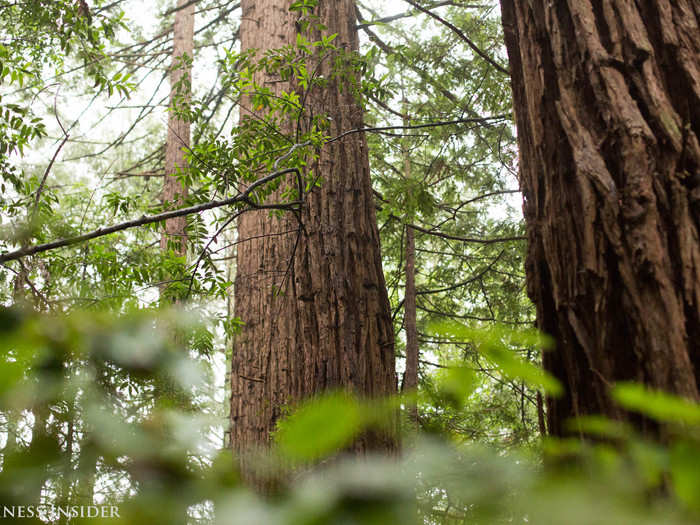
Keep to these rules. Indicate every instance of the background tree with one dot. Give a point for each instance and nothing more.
(313, 300)
(461, 202)
(178, 133)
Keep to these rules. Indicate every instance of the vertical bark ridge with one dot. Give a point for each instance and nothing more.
(606, 97)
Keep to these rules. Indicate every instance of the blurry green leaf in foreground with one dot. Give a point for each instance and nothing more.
(657, 405)
(454, 385)
(499, 345)
(100, 401)
(320, 427)
(685, 473)
(151, 459)
(600, 427)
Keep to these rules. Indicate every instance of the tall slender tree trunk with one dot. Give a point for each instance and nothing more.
(87, 469)
(66, 482)
(410, 378)
(178, 136)
(315, 305)
(607, 101)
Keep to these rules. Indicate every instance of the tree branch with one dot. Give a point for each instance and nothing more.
(469, 239)
(479, 120)
(40, 189)
(242, 197)
(461, 35)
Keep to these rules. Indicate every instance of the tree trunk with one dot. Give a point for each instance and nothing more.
(315, 305)
(87, 468)
(178, 137)
(607, 102)
(410, 378)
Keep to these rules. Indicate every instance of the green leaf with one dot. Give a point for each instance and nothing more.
(455, 385)
(599, 426)
(320, 427)
(656, 404)
(498, 345)
(685, 473)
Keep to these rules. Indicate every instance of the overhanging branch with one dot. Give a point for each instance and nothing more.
(480, 120)
(150, 219)
(244, 198)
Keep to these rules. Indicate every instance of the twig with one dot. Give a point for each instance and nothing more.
(469, 239)
(40, 189)
(206, 249)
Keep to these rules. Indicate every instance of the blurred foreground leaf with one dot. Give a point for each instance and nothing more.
(657, 405)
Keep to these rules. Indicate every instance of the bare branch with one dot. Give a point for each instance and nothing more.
(480, 120)
(40, 189)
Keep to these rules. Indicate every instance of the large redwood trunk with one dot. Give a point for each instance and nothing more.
(607, 101)
(315, 306)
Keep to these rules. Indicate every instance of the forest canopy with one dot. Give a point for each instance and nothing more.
(313, 261)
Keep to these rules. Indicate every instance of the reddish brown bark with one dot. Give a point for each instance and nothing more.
(178, 136)
(607, 101)
(315, 306)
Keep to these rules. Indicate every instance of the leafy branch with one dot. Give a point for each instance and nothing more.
(150, 219)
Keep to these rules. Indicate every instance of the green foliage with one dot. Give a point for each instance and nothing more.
(498, 344)
(320, 427)
(657, 405)
(128, 392)
(41, 37)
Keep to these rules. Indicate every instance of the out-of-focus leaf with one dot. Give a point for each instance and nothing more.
(656, 405)
(320, 427)
(499, 344)
(455, 385)
(685, 473)
(599, 426)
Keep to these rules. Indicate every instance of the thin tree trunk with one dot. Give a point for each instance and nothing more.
(87, 468)
(410, 378)
(65, 493)
(39, 434)
(178, 137)
(607, 101)
(315, 305)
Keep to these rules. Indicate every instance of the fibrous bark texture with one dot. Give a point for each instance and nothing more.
(607, 102)
(314, 303)
(178, 136)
